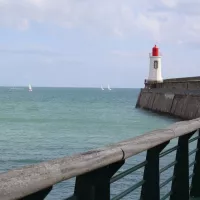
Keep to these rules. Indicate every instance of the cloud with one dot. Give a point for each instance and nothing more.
(160, 20)
(31, 51)
(128, 54)
(43, 54)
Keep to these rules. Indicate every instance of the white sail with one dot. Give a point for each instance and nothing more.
(102, 87)
(109, 87)
(30, 87)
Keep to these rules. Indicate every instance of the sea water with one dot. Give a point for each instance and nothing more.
(50, 123)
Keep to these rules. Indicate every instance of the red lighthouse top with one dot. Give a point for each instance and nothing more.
(155, 51)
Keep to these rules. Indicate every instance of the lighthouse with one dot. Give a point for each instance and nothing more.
(155, 75)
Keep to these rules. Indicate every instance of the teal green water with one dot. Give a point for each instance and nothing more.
(54, 122)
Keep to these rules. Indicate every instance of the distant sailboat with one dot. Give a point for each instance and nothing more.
(102, 87)
(109, 87)
(29, 88)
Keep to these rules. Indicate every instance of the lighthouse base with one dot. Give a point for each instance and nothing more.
(151, 83)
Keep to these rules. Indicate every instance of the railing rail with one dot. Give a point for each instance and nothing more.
(94, 169)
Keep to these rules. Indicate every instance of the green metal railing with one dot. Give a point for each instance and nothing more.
(143, 164)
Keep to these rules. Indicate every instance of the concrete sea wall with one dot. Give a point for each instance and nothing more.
(189, 85)
(181, 102)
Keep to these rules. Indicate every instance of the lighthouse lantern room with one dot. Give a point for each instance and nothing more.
(155, 75)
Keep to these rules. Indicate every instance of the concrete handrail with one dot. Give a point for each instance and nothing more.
(19, 183)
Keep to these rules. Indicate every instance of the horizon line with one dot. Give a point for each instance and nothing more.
(86, 87)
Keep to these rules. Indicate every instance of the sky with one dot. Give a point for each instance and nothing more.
(88, 43)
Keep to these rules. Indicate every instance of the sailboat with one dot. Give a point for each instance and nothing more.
(109, 87)
(102, 87)
(29, 88)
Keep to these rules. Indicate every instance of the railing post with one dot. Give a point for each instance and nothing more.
(41, 195)
(95, 185)
(195, 186)
(151, 186)
(180, 183)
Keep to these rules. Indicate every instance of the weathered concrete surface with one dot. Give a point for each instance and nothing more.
(179, 97)
(176, 102)
(189, 83)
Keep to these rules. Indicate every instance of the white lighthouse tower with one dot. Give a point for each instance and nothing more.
(155, 75)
